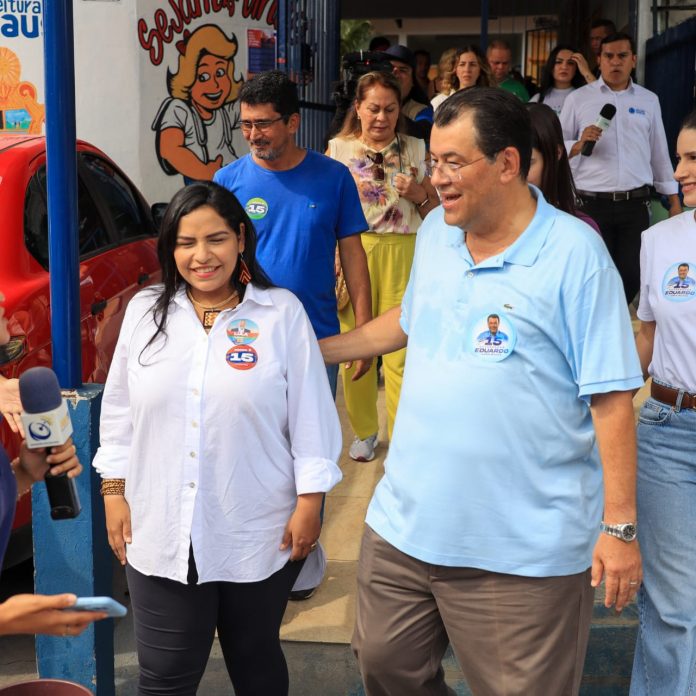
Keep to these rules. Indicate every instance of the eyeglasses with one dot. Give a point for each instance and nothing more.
(246, 126)
(449, 169)
(377, 160)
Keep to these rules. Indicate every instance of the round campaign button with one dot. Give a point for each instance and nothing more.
(256, 208)
(493, 337)
(242, 331)
(679, 283)
(242, 357)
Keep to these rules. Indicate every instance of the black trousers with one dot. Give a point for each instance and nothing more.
(622, 223)
(175, 627)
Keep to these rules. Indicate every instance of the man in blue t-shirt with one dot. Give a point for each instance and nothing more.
(302, 204)
(513, 420)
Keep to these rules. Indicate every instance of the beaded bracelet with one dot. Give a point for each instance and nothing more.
(113, 487)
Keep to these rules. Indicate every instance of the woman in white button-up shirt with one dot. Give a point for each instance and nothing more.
(219, 436)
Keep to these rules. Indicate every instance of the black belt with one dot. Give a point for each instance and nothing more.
(642, 192)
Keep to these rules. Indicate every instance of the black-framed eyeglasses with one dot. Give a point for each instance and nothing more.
(264, 125)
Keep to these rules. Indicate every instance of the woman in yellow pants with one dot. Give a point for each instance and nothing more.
(389, 171)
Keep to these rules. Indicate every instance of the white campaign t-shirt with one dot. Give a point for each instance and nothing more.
(668, 297)
(554, 98)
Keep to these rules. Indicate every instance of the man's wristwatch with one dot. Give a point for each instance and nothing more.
(626, 531)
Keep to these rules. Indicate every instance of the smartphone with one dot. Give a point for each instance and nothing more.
(105, 604)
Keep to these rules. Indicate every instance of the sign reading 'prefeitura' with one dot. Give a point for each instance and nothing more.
(20, 18)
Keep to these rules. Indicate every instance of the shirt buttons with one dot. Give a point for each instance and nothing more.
(192, 485)
(194, 424)
(470, 274)
(192, 455)
(194, 392)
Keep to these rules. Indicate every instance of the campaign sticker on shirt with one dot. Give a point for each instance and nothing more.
(256, 208)
(242, 331)
(493, 337)
(679, 284)
(242, 357)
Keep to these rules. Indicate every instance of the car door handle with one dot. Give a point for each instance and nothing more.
(98, 307)
(143, 278)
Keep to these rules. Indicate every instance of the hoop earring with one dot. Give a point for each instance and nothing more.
(244, 274)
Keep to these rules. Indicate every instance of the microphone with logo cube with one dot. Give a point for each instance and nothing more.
(47, 424)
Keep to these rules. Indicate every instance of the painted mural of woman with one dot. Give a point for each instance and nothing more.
(195, 124)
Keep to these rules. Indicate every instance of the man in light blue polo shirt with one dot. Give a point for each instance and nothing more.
(485, 530)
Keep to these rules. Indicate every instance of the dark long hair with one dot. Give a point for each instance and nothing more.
(547, 82)
(185, 201)
(547, 137)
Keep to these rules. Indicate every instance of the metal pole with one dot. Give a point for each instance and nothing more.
(63, 251)
(484, 26)
(282, 35)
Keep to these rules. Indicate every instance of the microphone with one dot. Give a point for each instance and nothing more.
(47, 424)
(605, 116)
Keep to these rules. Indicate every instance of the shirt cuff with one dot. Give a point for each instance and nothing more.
(403, 321)
(619, 385)
(645, 314)
(315, 475)
(112, 461)
(667, 188)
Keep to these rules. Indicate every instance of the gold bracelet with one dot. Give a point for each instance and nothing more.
(113, 487)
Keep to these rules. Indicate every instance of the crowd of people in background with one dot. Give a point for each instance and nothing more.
(492, 234)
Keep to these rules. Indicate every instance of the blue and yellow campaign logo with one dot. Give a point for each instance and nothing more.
(493, 337)
(242, 357)
(256, 208)
(679, 283)
(242, 331)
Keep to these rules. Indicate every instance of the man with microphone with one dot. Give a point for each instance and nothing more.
(616, 141)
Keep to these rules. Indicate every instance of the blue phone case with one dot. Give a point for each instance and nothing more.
(106, 604)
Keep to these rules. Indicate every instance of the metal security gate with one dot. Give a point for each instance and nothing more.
(670, 72)
(308, 49)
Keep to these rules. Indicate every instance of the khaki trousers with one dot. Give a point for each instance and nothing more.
(512, 635)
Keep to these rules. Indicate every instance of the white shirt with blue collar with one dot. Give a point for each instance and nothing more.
(493, 462)
(632, 151)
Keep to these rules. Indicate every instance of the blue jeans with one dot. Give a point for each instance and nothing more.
(665, 658)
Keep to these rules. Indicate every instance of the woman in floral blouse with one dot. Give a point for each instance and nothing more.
(389, 171)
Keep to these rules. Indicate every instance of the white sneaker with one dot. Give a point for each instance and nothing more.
(363, 450)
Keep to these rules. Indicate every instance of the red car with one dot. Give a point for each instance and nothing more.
(118, 256)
